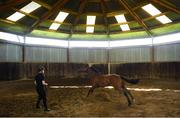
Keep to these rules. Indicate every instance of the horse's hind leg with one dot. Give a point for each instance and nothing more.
(129, 94)
(91, 90)
(127, 97)
(121, 89)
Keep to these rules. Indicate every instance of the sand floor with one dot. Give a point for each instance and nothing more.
(18, 99)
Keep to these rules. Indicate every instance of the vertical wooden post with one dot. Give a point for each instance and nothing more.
(23, 67)
(108, 56)
(152, 54)
(68, 55)
(152, 59)
(23, 50)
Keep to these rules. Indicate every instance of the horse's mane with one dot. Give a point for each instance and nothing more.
(95, 70)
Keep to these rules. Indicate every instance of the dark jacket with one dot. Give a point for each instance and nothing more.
(39, 78)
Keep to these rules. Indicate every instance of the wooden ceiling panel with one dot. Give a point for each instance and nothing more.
(104, 10)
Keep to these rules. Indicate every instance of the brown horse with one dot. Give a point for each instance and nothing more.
(118, 82)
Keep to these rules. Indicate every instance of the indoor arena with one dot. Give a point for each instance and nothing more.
(89, 58)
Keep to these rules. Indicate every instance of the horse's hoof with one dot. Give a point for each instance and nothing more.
(129, 104)
(134, 100)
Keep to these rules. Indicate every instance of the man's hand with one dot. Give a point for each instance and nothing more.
(44, 83)
(35, 82)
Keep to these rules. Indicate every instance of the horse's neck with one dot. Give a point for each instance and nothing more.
(92, 75)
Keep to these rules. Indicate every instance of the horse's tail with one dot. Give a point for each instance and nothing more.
(132, 81)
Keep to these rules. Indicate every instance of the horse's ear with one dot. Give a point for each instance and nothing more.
(84, 68)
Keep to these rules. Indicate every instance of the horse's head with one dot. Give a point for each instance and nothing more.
(90, 70)
(83, 69)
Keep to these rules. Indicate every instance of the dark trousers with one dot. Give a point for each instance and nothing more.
(41, 96)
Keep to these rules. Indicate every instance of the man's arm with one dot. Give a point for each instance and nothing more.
(44, 83)
(35, 82)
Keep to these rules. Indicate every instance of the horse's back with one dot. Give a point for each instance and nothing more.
(108, 80)
(111, 76)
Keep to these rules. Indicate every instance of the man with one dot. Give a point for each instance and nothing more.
(40, 88)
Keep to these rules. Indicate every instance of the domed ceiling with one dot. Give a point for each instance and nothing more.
(89, 16)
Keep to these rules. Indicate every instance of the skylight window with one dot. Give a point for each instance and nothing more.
(122, 19)
(27, 9)
(89, 44)
(125, 27)
(163, 19)
(54, 26)
(90, 21)
(171, 38)
(89, 29)
(46, 41)
(133, 42)
(14, 38)
(151, 9)
(30, 7)
(16, 16)
(154, 11)
(60, 18)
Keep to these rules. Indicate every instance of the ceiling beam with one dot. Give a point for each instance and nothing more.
(48, 30)
(81, 8)
(136, 17)
(45, 16)
(164, 4)
(52, 21)
(13, 23)
(104, 16)
(111, 14)
(70, 11)
(110, 25)
(141, 4)
(11, 3)
(97, 0)
(145, 19)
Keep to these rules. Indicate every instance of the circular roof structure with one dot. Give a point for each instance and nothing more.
(58, 18)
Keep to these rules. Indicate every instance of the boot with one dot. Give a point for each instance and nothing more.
(46, 109)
